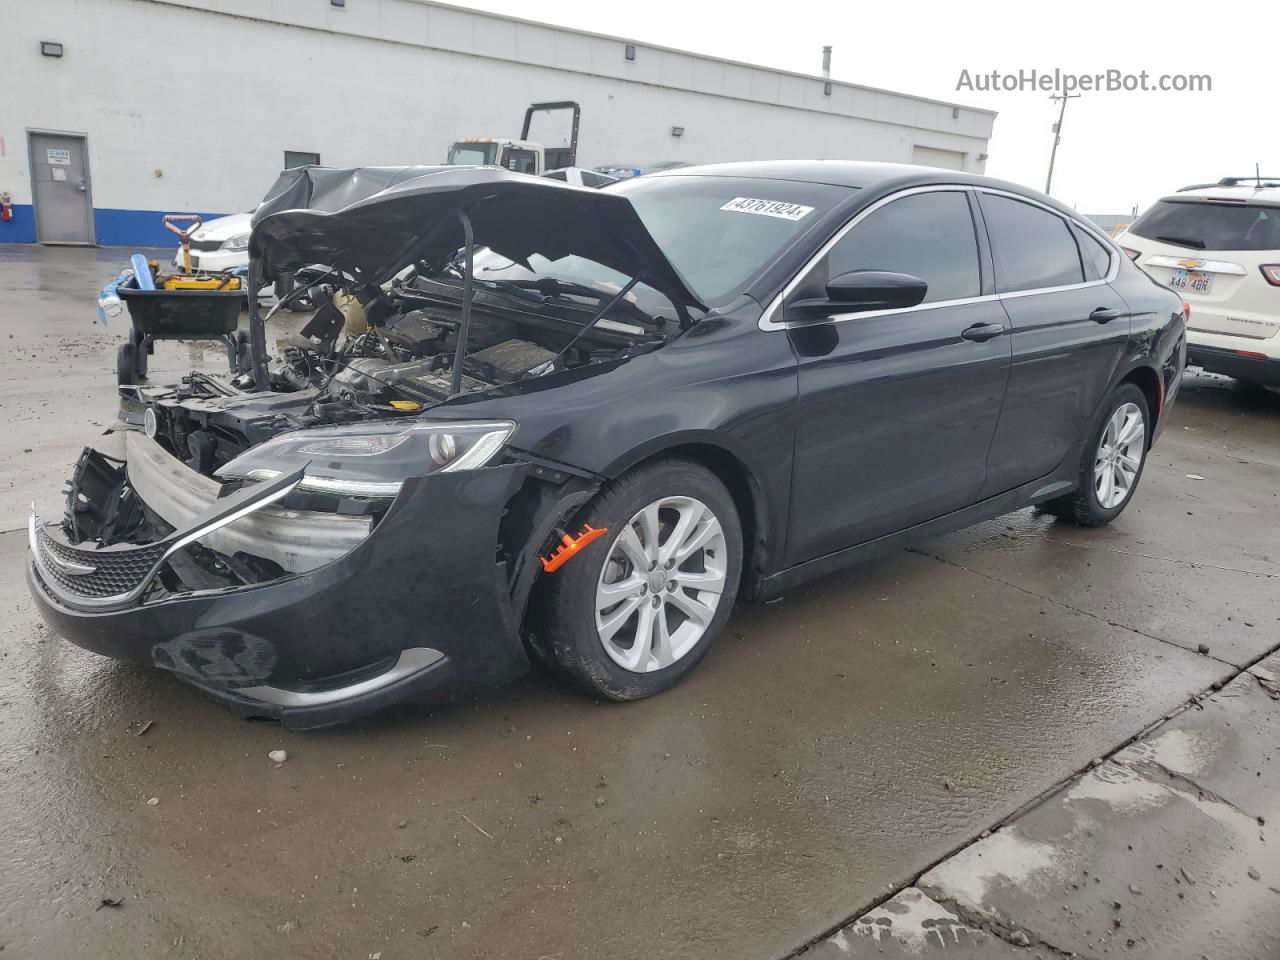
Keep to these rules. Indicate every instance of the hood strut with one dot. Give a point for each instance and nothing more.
(257, 329)
(464, 324)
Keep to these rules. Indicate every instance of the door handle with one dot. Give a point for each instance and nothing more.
(982, 332)
(1104, 315)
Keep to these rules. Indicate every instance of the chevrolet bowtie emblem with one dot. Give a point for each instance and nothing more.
(1191, 264)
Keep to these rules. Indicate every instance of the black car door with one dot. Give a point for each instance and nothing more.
(1068, 332)
(896, 407)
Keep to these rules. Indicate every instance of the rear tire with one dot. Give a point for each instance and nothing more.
(285, 286)
(126, 369)
(1112, 463)
(244, 355)
(637, 610)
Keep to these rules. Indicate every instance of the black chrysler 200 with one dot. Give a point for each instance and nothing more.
(535, 420)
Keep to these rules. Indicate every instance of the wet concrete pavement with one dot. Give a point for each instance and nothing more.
(830, 749)
(1162, 851)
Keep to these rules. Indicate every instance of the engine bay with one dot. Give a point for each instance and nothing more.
(384, 352)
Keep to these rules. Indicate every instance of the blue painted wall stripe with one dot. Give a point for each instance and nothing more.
(114, 228)
(22, 228)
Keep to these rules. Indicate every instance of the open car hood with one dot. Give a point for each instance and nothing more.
(378, 220)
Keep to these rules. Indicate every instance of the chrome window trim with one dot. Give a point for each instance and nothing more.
(769, 324)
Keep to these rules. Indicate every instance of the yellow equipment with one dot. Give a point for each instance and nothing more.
(187, 280)
(180, 281)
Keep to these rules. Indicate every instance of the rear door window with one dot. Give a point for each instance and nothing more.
(1032, 248)
(1198, 225)
(927, 235)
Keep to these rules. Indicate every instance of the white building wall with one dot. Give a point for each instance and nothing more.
(190, 104)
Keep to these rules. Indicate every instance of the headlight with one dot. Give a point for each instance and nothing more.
(239, 242)
(373, 459)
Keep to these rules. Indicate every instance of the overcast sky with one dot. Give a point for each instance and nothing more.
(1118, 149)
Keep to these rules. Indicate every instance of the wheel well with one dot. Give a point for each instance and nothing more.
(747, 498)
(1148, 381)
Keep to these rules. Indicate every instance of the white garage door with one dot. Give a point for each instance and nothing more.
(929, 157)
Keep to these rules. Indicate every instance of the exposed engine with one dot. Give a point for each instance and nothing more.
(372, 353)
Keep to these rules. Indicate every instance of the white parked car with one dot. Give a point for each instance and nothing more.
(219, 244)
(223, 244)
(1219, 246)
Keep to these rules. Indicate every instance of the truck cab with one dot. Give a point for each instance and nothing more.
(522, 156)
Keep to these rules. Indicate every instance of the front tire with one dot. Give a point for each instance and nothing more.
(631, 616)
(1112, 464)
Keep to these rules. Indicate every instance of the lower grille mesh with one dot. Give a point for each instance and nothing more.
(114, 572)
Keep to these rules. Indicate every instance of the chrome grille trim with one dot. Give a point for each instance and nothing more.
(129, 570)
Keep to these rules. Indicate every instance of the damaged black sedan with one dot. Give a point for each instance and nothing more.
(536, 420)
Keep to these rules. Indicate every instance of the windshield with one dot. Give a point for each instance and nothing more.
(1211, 226)
(720, 232)
(494, 268)
(478, 154)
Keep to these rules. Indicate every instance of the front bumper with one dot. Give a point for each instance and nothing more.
(214, 261)
(421, 604)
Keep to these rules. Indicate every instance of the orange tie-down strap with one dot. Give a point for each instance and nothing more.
(570, 546)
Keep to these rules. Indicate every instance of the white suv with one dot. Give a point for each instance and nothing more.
(1219, 246)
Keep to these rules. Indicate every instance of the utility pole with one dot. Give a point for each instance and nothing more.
(1057, 134)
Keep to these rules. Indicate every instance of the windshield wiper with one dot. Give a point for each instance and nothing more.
(552, 287)
(1183, 242)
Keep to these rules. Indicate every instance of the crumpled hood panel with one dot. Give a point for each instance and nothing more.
(380, 219)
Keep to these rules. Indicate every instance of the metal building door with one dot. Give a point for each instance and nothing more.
(60, 189)
(932, 157)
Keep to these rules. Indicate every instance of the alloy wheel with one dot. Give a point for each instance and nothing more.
(1119, 456)
(661, 584)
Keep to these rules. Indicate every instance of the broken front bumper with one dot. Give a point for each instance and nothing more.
(420, 603)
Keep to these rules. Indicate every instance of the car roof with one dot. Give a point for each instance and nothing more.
(1241, 193)
(858, 174)
(843, 173)
(871, 176)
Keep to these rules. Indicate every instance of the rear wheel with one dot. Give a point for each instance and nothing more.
(1112, 465)
(629, 619)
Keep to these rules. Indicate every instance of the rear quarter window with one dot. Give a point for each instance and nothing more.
(1201, 225)
(1097, 257)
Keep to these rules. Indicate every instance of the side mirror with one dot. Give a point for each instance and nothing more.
(862, 290)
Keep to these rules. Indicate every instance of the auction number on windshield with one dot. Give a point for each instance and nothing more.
(768, 208)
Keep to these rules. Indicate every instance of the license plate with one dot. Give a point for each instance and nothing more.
(1193, 280)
